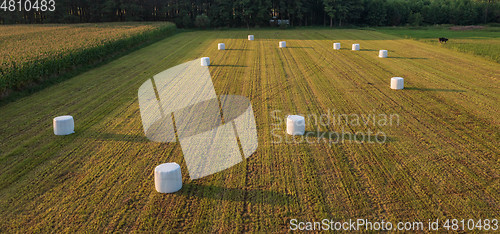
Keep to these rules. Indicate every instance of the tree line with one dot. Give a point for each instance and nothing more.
(251, 13)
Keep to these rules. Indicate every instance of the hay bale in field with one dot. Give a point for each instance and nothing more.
(336, 46)
(168, 178)
(397, 83)
(250, 37)
(295, 125)
(382, 54)
(282, 44)
(355, 46)
(205, 61)
(222, 46)
(64, 125)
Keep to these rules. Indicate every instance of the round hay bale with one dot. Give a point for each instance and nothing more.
(64, 125)
(221, 46)
(336, 46)
(205, 61)
(382, 54)
(295, 125)
(355, 46)
(250, 37)
(168, 178)
(282, 44)
(397, 83)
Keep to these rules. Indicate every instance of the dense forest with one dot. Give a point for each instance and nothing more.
(251, 13)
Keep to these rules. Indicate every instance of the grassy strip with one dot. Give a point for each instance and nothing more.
(32, 76)
(482, 42)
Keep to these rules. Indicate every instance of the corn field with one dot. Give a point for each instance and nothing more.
(30, 54)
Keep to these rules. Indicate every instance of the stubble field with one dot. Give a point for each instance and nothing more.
(440, 160)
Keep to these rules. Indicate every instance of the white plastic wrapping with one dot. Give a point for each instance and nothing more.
(250, 37)
(205, 61)
(64, 125)
(222, 46)
(397, 83)
(382, 54)
(295, 125)
(168, 178)
(355, 46)
(336, 46)
(282, 44)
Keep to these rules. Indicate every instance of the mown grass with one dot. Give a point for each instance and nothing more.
(441, 161)
(483, 42)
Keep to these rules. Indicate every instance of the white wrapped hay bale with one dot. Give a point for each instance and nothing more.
(336, 46)
(64, 125)
(295, 125)
(205, 61)
(397, 83)
(355, 46)
(222, 46)
(382, 54)
(282, 44)
(250, 37)
(168, 178)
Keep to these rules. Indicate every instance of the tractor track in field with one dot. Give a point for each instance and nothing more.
(358, 171)
(239, 76)
(309, 94)
(395, 102)
(455, 111)
(355, 172)
(317, 94)
(388, 97)
(345, 63)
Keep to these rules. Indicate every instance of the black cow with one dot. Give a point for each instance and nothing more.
(443, 39)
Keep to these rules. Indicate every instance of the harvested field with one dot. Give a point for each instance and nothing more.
(439, 160)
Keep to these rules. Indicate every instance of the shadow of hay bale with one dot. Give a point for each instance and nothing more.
(300, 47)
(435, 90)
(226, 65)
(240, 49)
(390, 57)
(236, 194)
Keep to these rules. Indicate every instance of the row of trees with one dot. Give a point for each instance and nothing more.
(248, 13)
(413, 12)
